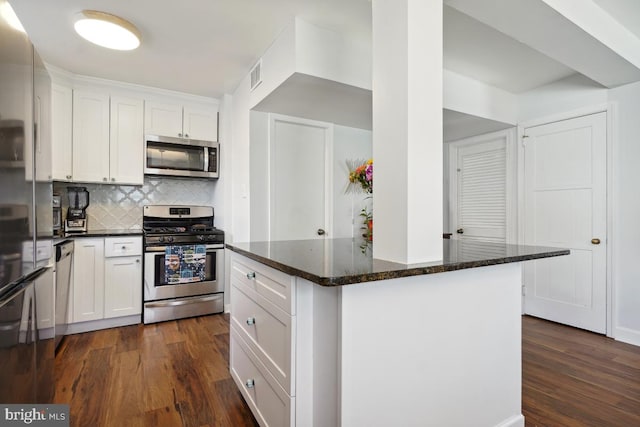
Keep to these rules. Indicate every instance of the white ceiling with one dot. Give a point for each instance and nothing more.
(206, 47)
(203, 47)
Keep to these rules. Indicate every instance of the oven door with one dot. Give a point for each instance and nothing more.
(156, 286)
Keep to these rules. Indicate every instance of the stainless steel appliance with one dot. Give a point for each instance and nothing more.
(76, 213)
(183, 263)
(26, 338)
(64, 259)
(181, 157)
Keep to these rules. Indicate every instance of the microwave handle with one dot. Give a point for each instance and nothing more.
(206, 159)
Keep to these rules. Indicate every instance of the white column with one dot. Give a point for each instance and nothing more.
(407, 130)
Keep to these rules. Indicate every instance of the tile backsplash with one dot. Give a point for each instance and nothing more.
(120, 206)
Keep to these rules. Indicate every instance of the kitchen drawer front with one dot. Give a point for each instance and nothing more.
(267, 330)
(270, 404)
(122, 246)
(274, 285)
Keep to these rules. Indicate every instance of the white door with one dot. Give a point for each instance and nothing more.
(126, 136)
(480, 188)
(565, 206)
(300, 192)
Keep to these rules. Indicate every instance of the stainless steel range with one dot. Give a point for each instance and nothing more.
(183, 263)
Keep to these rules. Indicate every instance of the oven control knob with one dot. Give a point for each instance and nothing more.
(201, 238)
(169, 238)
(161, 239)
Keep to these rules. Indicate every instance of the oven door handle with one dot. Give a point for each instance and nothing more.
(194, 300)
(161, 249)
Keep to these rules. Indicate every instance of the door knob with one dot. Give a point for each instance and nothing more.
(320, 231)
(460, 231)
(595, 241)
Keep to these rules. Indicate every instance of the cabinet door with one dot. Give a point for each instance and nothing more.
(88, 280)
(126, 141)
(123, 286)
(90, 136)
(200, 123)
(163, 119)
(61, 111)
(42, 121)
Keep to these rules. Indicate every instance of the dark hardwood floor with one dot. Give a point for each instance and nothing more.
(177, 374)
(572, 377)
(168, 374)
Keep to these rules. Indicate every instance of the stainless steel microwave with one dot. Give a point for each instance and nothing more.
(169, 156)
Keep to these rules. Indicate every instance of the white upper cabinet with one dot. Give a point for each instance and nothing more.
(107, 138)
(61, 131)
(181, 121)
(90, 136)
(200, 123)
(126, 141)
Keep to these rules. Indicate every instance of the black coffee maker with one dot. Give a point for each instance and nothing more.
(77, 214)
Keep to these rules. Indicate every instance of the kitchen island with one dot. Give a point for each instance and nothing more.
(322, 334)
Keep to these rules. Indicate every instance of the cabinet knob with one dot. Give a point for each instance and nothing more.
(595, 241)
(68, 176)
(138, 261)
(124, 248)
(104, 179)
(251, 275)
(186, 135)
(250, 383)
(113, 180)
(180, 135)
(251, 321)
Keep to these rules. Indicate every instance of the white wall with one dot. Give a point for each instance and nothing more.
(569, 94)
(259, 187)
(239, 165)
(625, 236)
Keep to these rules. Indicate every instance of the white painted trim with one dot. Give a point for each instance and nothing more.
(94, 325)
(511, 231)
(610, 109)
(328, 166)
(626, 335)
(65, 77)
(566, 115)
(612, 132)
(516, 421)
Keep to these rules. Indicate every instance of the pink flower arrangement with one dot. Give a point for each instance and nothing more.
(361, 175)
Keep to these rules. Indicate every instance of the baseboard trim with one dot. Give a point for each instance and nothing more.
(95, 325)
(626, 335)
(515, 421)
(227, 308)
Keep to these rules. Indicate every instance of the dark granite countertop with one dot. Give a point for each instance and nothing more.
(101, 233)
(336, 262)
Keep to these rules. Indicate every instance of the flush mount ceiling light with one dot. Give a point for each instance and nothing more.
(107, 30)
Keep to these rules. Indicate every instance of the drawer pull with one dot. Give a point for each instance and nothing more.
(251, 275)
(249, 383)
(251, 321)
(124, 248)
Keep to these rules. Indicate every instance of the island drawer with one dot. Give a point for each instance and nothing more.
(274, 285)
(270, 404)
(267, 330)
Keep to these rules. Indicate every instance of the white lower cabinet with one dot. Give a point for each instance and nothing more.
(123, 288)
(263, 340)
(88, 279)
(107, 278)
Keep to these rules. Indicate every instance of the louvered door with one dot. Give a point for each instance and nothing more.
(480, 181)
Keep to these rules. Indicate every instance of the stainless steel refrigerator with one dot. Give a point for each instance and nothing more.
(27, 323)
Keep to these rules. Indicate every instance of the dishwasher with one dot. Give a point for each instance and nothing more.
(64, 259)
